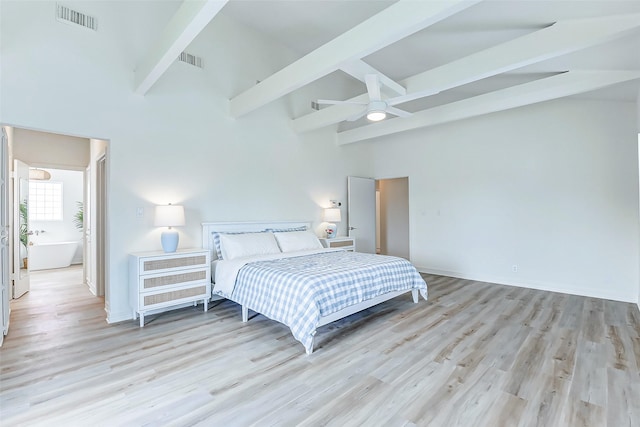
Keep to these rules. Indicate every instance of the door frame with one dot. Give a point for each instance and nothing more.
(20, 275)
(5, 236)
(100, 235)
(103, 154)
(389, 217)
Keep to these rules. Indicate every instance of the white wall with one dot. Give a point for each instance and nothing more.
(176, 144)
(551, 188)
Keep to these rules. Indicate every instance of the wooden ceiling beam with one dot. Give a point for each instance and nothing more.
(394, 23)
(558, 86)
(184, 26)
(559, 39)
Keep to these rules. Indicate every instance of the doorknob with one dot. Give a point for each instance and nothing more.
(4, 241)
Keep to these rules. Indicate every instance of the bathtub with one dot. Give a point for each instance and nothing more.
(43, 256)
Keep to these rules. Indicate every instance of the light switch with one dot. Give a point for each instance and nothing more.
(139, 212)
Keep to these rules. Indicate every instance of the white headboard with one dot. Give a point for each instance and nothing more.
(247, 227)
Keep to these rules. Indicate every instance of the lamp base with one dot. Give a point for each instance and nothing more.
(331, 230)
(169, 240)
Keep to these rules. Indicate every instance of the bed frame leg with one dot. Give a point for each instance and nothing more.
(414, 294)
(245, 314)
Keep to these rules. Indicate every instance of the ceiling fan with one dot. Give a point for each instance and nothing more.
(376, 108)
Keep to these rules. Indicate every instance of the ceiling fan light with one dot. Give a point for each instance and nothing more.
(376, 115)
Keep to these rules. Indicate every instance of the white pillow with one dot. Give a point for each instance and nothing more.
(247, 244)
(297, 241)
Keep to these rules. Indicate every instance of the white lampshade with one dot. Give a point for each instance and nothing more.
(169, 216)
(332, 215)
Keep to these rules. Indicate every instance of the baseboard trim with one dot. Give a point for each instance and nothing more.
(541, 286)
(118, 317)
(91, 287)
(128, 315)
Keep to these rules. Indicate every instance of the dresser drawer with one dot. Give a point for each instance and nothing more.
(152, 282)
(174, 296)
(161, 265)
(340, 243)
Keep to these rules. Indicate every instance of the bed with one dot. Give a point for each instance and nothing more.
(281, 270)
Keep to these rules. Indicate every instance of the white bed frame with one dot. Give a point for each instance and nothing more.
(207, 242)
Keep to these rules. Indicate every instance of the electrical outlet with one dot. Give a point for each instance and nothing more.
(514, 268)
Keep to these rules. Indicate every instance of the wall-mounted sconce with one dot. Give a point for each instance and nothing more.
(335, 203)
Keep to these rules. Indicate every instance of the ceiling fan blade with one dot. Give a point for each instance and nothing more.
(410, 97)
(332, 102)
(373, 86)
(328, 101)
(356, 116)
(398, 112)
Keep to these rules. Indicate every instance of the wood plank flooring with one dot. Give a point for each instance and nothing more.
(475, 354)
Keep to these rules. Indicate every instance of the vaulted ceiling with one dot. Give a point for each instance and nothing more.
(446, 60)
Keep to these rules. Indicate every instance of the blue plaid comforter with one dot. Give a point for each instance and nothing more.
(297, 291)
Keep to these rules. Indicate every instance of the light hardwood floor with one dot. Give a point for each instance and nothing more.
(475, 354)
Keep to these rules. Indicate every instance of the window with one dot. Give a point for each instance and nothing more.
(45, 201)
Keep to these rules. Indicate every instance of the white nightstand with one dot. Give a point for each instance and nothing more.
(160, 281)
(347, 243)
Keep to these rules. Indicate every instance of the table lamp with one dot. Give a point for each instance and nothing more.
(332, 215)
(169, 216)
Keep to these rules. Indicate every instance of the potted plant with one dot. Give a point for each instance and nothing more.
(24, 230)
(78, 218)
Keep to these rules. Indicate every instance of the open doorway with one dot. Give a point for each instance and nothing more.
(392, 217)
(378, 215)
(64, 210)
(56, 230)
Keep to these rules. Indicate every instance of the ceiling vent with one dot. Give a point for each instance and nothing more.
(70, 16)
(187, 58)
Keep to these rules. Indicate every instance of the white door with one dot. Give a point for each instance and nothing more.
(4, 236)
(20, 229)
(362, 212)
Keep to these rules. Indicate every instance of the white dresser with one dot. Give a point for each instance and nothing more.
(160, 281)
